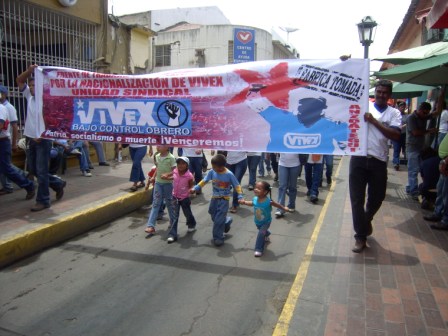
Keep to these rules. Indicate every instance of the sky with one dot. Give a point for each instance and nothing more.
(326, 28)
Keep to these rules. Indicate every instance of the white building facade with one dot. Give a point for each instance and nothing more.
(202, 37)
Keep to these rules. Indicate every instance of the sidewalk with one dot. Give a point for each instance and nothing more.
(397, 286)
(87, 203)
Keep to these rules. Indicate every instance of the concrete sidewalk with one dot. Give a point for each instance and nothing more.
(397, 286)
(87, 203)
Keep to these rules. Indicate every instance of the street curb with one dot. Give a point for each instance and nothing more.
(71, 225)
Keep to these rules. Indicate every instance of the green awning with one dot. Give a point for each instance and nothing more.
(432, 71)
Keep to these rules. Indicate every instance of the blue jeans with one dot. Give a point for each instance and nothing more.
(195, 167)
(445, 199)
(313, 177)
(137, 156)
(6, 183)
(287, 184)
(399, 147)
(38, 156)
(8, 170)
(328, 161)
(162, 191)
(218, 211)
(274, 162)
(252, 164)
(185, 204)
(83, 163)
(264, 160)
(263, 232)
(442, 190)
(238, 169)
(440, 137)
(413, 170)
(99, 152)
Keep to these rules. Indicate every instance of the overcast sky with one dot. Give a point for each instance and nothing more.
(326, 28)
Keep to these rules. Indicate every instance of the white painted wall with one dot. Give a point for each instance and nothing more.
(214, 39)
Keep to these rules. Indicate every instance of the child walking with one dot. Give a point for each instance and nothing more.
(183, 181)
(223, 181)
(262, 204)
(163, 187)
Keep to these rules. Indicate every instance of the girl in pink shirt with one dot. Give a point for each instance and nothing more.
(183, 181)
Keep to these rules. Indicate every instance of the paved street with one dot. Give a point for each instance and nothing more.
(113, 281)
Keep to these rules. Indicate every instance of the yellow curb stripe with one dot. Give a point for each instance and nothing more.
(282, 326)
(61, 229)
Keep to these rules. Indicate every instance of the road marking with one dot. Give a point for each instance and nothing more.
(282, 327)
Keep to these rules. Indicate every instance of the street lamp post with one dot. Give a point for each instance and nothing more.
(366, 30)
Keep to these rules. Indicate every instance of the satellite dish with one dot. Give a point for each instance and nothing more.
(288, 30)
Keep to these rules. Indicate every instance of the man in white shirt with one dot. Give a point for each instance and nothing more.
(38, 154)
(370, 172)
(13, 136)
(6, 167)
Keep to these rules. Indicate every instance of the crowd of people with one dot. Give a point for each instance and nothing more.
(44, 157)
(415, 139)
(176, 179)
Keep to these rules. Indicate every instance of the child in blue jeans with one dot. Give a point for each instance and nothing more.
(163, 187)
(262, 204)
(223, 181)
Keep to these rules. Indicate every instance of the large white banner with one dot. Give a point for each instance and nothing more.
(300, 106)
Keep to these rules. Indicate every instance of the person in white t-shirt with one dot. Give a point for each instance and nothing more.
(288, 172)
(38, 153)
(369, 173)
(13, 129)
(6, 167)
(443, 124)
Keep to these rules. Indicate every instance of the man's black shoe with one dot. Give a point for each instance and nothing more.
(30, 194)
(5, 191)
(439, 226)
(60, 192)
(39, 207)
(432, 218)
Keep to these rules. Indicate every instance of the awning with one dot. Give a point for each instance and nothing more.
(431, 71)
(438, 16)
(415, 54)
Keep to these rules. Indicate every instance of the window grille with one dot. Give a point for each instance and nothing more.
(163, 55)
(31, 34)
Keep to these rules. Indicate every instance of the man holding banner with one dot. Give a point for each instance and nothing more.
(311, 106)
(370, 172)
(38, 153)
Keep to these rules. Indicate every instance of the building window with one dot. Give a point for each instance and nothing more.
(230, 53)
(163, 55)
(433, 35)
(31, 34)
